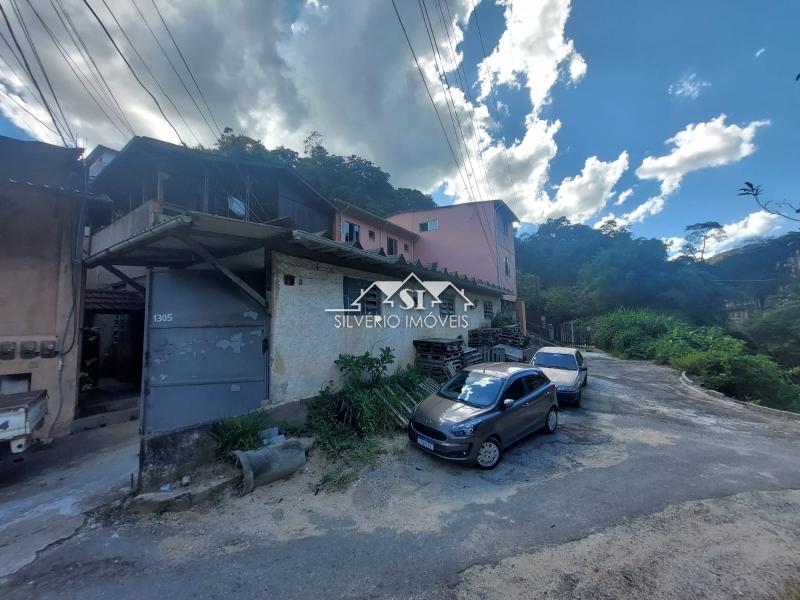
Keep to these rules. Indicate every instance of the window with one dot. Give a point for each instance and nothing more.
(488, 309)
(536, 381)
(371, 235)
(236, 207)
(507, 266)
(352, 232)
(474, 388)
(405, 247)
(370, 301)
(516, 390)
(505, 227)
(448, 305)
(391, 246)
(555, 360)
(431, 225)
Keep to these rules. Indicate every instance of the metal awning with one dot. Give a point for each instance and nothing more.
(195, 238)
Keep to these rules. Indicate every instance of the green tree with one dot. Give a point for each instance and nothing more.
(698, 235)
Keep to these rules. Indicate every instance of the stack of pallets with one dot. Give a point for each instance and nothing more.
(512, 335)
(488, 336)
(470, 356)
(438, 357)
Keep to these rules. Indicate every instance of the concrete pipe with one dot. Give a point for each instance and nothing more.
(269, 463)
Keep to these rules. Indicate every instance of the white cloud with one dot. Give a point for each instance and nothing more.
(651, 206)
(343, 69)
(623, 196)
(759, 52)
(700, 145)
(754, 225)
(688, 86)
(586, 194)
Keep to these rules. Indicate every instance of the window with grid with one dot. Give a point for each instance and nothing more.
(391, 246)
(488, 309)
(371, 235)
(370, 303)
(431, 225)
(448, 305)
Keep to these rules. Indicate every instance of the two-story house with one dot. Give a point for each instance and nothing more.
(372, 232)
(473, 238)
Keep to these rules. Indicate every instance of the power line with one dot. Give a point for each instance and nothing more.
(83, 50)
(133, 72)
(447, 99)
(185, 64)
(462, 79)
(79, 75)
(491, 87)
(174, 69)
(25, 108)
(30, 74)
(430, 97)
(39, 62)
(465, 90)
(149, 72)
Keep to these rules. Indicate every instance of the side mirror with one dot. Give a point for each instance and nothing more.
(584, 369)
(508, 403)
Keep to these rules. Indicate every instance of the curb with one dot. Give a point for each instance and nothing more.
(774, 412)
(182, 499)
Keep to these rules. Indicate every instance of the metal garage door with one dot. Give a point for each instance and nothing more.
(205, 351)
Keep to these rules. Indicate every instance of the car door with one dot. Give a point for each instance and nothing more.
(540, 399)
(512, 423)
(581, 368)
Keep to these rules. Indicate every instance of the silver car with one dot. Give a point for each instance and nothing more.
(482, 411)
(566, 368)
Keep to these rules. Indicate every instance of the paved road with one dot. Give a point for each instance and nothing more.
(641, 454)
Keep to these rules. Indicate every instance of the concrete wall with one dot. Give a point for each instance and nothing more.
(470, 240)
(36, 295)
(305, 340)
(139, 219)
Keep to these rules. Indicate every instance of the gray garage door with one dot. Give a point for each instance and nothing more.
(205, 354)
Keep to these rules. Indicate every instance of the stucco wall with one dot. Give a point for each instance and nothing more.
(305, 340)
(382, 232)
(469, 240)
(36, 233)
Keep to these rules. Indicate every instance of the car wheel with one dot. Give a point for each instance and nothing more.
(551, 424)
(577, 403)
(489, 454)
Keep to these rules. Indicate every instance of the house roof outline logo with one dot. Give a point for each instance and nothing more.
(391, 288)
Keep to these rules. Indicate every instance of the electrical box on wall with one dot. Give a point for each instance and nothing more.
(47, 349)
(28, 350)
(8, 350)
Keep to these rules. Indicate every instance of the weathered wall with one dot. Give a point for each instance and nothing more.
(305, 341)
(36, 296)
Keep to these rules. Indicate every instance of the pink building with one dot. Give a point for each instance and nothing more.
(353, 224)
(474, 238)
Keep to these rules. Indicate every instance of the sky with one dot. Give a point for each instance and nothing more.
(651, 113)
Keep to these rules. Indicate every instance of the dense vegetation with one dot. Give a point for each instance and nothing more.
(349, 178)
(721, 361)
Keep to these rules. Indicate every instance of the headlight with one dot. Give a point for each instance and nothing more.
(565, 388)
(463, 429)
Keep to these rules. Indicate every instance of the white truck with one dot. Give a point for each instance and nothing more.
(20, 415)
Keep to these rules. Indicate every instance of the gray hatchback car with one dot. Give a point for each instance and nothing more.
(484, 409)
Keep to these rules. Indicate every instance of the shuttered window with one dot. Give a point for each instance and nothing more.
(448, 305)
(488, 309)
(370, 302)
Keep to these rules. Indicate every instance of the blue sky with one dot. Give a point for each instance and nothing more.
(591, 92)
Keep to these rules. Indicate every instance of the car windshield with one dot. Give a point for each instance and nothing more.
(475, 388)
(555, 361)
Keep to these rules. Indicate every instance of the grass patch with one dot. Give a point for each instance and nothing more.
(348, 425)
(237, 433)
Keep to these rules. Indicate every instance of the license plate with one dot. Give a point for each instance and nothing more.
(425, 443)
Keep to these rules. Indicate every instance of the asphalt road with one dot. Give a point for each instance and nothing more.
(640, 455)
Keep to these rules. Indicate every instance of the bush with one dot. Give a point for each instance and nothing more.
(720, 360)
